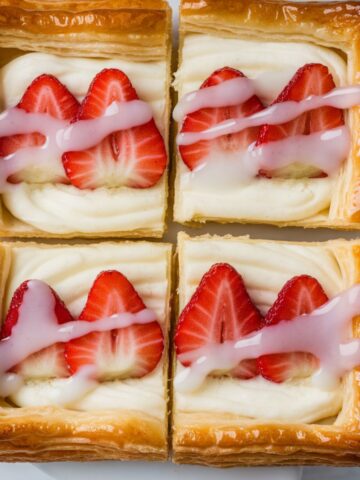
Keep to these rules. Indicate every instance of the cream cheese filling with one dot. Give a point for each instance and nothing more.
(141, 394)
(65, 209)
(294, 402)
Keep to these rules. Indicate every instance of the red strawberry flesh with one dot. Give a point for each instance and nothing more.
(134, 158)
(133, 351)
(198, 153)
(220, 310)
(300, 295)
(46, 94)
(311, 79)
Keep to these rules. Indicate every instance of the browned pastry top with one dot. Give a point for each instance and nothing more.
(340, 17)
(139, 17)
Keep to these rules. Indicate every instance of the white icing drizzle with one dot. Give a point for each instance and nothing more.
(231, 93)
(342, 97)
(63, 137)
(37, 328)
(326, 333)
(77, 386)
(326, 149)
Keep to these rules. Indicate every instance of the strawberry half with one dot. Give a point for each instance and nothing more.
(311, 79)
(133, 351)
(49, 362)
(220, 310)
(46, 94)
(300, 295)
(194, 155)
(134, 158)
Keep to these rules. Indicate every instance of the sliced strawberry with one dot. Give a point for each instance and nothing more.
(300, 295)
(46, 94)
(285, 366)
(110, 85)
(311, 79)
(49, 362)
(195, 155)
(83, 167)
(246, 369)
(133, 351)
(134, 158)
(9, 145)
(220, 310)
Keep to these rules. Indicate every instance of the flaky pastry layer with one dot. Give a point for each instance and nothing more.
(138, 30)
(55, 434)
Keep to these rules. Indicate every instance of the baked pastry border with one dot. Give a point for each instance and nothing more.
(138, 30)
(44, 434)
(226, 440)
(334, 25)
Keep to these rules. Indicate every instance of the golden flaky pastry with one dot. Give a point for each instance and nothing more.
(208, 427)
(138, 430)
(256, 37)
(134, 36)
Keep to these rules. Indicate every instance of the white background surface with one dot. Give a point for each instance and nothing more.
(167, 471)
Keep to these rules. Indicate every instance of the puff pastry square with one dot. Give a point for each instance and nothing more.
(267, 36)
(128, 420)
(74, 41)
(227, 421)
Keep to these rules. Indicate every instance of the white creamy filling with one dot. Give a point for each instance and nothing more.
(71, 271)
(294, 402)
(259, 199)
(265, 267)
(65, 209)
(144, 395)
(262, 199)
